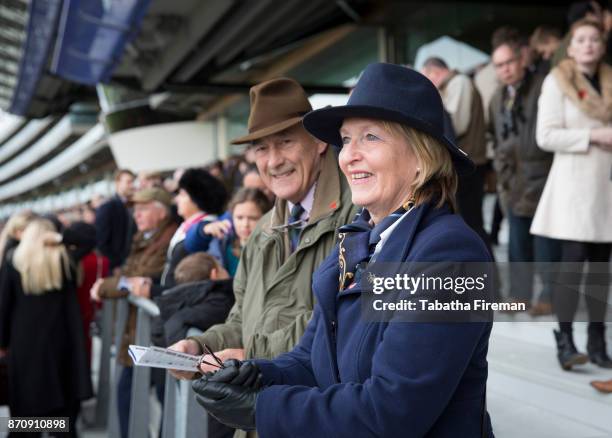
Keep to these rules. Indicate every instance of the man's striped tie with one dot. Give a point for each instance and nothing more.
(295, 225)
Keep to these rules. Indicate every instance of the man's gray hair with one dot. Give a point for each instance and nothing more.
(434, 61)
(162, 205)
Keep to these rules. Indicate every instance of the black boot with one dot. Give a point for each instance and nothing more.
(566, 351)
(596, 347)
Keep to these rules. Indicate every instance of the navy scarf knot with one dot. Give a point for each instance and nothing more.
(357, 243)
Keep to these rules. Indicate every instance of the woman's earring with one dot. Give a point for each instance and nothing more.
(409, 203)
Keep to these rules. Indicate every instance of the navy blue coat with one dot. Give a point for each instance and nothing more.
(352, 378)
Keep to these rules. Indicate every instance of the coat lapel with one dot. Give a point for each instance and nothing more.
(397, 247)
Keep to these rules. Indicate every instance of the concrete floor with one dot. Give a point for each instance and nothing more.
(530, 396)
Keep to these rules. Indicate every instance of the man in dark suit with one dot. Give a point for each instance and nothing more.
(114, 223)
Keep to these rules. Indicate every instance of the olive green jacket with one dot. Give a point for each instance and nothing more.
(274, 300)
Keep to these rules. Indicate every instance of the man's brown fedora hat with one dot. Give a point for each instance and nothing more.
(276, 105)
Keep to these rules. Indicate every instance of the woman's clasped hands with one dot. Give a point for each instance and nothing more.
(230, 394)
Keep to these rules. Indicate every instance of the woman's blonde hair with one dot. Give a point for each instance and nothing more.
(15, 224)
(42, 268)
(437, 178)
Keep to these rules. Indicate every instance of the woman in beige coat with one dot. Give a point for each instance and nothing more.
(575, 122)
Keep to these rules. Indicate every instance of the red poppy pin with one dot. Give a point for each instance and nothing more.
(333, 205)
(582, 94)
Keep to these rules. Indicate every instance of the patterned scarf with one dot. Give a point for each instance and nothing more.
(357, 243)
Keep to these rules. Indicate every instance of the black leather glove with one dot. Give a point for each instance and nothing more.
(238, 373)
(230, 394)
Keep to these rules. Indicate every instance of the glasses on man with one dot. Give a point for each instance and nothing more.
(500, 65)
(208, 351)
(284, 228)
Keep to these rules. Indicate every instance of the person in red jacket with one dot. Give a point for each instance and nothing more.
(93, 267)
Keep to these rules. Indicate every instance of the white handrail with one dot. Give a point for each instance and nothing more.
(23, 137)
(50, 141)
(8, 125)
(75, 154)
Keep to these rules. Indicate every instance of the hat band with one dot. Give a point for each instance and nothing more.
(268, 124)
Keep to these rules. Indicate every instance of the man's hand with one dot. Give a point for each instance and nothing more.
(218, 229)
(140, 286)
(94, 292)
(3, 352)
(228, 353)
(185, 346)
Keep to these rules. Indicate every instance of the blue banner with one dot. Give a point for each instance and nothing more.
(41, 27)
(92, 36)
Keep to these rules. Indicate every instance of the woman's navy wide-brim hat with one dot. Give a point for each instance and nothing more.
(393, 93)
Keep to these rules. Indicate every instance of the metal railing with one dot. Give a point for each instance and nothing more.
(140, 408)
(182, 416)
(104, 370)
(121, 317)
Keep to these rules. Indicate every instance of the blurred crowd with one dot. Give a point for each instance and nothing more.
(131, 243)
